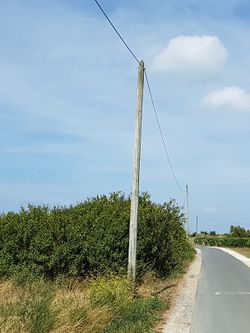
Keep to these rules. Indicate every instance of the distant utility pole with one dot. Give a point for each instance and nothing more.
(135, 179)
(197, 225)
(187, 209)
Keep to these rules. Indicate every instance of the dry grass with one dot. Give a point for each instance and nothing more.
(153, 286)
(102, 305)
(7, 293)
(72, 302)
(245, 251)
(25, 308)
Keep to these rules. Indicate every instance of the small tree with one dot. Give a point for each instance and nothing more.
(237, 231)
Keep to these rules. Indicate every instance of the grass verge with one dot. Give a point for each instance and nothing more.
(245, 251)
(98, 305)
(26, 308)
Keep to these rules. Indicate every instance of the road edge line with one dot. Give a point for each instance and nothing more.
(235, 254)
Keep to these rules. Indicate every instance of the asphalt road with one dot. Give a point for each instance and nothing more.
(222, 303)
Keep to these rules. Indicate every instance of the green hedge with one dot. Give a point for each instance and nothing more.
(92, 238)
(225, 241)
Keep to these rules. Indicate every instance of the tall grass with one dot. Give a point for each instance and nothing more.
(99, 305)
(27, 308)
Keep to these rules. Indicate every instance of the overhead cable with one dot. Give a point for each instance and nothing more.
(117, 32)
(150, 94)
(161, 135)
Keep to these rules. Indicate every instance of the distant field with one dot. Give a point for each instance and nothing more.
(245, 251)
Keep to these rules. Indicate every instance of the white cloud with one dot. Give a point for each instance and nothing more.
(234, 98)
(192, 55)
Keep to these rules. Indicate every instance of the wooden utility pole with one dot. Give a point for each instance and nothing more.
(187, 209)
(197, 224)
(135, 179)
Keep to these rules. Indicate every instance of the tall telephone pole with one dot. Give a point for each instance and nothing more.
(197, 225)
(135, 177)
(187, 208)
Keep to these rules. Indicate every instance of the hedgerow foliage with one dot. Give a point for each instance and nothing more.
(238, 237)
(224, 241)
(91, 238)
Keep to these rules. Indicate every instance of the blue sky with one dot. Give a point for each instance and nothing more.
(68, 95)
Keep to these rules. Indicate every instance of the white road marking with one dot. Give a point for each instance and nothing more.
(231, 293)
(198, 251)
(238, 256)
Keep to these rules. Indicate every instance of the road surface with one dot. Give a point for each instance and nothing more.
(222, 303)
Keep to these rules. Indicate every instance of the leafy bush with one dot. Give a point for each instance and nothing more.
(225, 241)
(91, 238)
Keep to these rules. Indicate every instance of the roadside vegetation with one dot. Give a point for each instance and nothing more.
(100, 305)
(64, 269)
(91, 238)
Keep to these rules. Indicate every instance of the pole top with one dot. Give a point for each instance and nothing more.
(142, 64)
